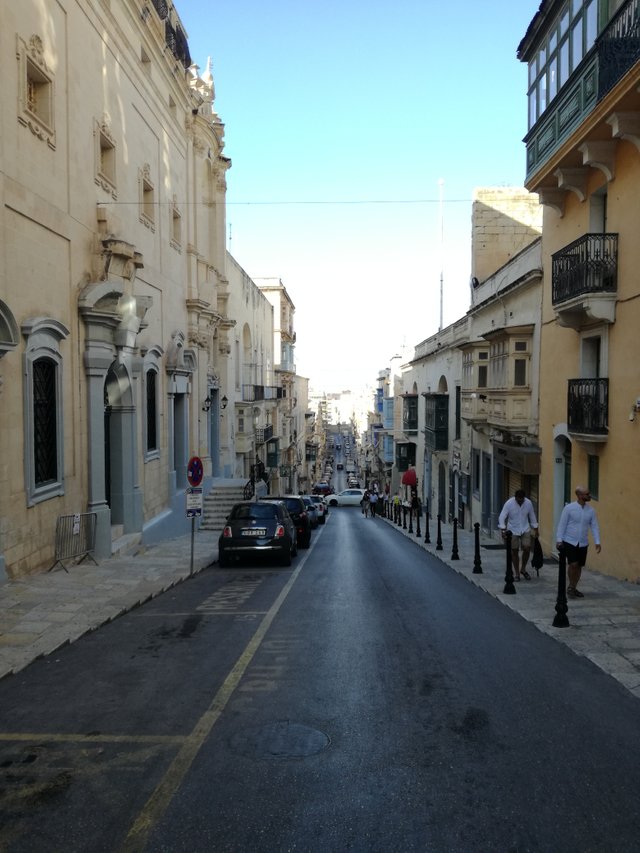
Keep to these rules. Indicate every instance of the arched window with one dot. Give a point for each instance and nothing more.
(43, 409)
(151, 402)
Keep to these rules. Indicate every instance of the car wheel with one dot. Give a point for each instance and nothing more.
(333, 503)
(322, 520)
(307, 542)
(286, 557)
(223, 561)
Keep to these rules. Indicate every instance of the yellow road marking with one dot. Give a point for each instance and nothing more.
(159, 800)
(18, 737)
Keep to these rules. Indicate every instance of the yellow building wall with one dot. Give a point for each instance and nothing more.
(619, 455)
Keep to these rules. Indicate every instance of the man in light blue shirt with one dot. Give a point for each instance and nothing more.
(573, 536)
(519, 516)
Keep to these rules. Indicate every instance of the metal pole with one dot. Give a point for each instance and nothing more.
(509, 586)
(561, 620)
(427, 536)
(454, 551)
(439, 539)
(477, 562)
(418, 514)
(193, 533)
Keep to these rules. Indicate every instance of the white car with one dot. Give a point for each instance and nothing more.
(347, 497)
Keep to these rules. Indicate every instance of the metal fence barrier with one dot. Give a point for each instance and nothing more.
(75, 537)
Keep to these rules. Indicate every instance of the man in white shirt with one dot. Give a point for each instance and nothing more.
(518, 516)
(573, 536)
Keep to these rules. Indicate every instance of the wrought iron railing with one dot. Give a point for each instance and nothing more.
(161, 7)
(177, 43)
(264, 433)
(588, 406)
(588, 265)
(618, 46)
(252, 393)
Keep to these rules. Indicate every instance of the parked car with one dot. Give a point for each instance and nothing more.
(257, 528)
(347, 497)
(299, 514)
(322, 508)
(312, 509)
(322, 488)
(339, 466)
(353, 483)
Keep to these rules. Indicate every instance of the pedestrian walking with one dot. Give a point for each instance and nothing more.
(373, 501)
(518, 516)
(572, 536)
(366, 504)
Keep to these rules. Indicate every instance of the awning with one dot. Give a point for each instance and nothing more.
(409, 478)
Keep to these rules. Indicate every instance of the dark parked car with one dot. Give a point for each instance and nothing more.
(258, 528)
(323, 508)
(312, 511)
(299, 514)
(322, 488)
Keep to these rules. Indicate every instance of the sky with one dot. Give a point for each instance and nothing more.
(357, 133)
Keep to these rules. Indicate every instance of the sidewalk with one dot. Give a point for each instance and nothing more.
(40, 613)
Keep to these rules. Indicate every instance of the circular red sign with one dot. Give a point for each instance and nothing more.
(194, 471)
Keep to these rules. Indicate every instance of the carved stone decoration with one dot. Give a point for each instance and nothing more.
(600, 155)
(626, 125)
(120, 259)
(574, 180)
(36, 51)
(35, 90)
(175, 350)
(553, 197)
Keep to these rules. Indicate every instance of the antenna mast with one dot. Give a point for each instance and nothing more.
(441, 185)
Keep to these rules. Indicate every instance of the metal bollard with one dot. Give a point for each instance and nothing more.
(418, 514)
(454, 550)
(561, 620)
(427, 535)
(404, 517)
(477, 562)
(439, 539)
(410, 519)
(509, 586)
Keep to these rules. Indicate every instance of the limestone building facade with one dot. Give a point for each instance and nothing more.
(114, 328)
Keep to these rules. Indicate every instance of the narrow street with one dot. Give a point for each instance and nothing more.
(366, 699)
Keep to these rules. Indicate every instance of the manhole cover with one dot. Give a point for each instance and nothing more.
(280, 740)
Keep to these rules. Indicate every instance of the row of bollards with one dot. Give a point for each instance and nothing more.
(560, 620)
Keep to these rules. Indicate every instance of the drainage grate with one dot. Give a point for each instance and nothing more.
(282, 739)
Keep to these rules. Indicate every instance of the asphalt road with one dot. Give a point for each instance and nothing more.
(367, 699)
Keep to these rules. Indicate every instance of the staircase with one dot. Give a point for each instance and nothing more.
(218, 502)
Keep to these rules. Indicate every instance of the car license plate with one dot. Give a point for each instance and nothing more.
(254, 531)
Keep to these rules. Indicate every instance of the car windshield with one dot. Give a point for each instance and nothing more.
(259, 511)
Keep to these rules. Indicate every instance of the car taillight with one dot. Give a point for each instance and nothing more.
(279, 531)
(226, 533)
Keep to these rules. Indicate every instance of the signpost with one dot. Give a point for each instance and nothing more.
(194, 497)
